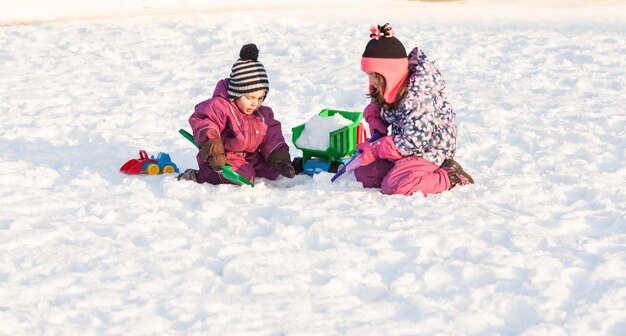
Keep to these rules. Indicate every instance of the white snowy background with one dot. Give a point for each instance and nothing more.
(536, 247)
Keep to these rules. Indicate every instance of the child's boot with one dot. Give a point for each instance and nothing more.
(456, 174)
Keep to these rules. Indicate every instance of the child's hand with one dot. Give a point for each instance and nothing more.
(216, 162)
(367, 153)
(286, 169)
(383, 148)
(212, 152)
(280, 161)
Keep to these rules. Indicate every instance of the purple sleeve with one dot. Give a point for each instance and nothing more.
(208, 121)
(274, 137)
(371, 113)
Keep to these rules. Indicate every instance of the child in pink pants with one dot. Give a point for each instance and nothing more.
(407, 94)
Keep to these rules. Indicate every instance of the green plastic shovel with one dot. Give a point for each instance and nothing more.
(227, 171)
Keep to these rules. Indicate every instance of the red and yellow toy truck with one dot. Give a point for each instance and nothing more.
(162, 164)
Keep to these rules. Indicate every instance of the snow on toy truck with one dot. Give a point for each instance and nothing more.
(338, 147)
(162, 164)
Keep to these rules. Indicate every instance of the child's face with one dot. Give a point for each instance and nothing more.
(374, 79)
(250, 102)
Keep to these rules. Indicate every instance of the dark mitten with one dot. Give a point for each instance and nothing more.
(212, 152)
(280, 161)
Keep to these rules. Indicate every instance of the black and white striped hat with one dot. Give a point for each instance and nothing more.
(247, 74)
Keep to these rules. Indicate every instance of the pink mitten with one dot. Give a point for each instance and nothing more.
(383, 148)
(367, 153)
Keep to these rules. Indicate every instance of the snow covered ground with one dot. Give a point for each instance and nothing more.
(536, 247)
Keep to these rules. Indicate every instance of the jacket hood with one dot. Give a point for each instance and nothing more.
(221, 89)
(426, 74)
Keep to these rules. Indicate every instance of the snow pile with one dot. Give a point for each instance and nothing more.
(316, 133)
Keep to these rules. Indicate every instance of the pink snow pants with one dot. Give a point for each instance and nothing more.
(248, 165)
(404, 177)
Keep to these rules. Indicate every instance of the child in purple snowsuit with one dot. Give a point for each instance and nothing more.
(407, 94)
(234, 128)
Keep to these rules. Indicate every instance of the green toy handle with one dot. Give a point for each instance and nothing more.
(188, 137)
(227, 171)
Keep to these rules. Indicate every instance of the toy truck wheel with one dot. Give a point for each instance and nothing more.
(168, 169)
(334, 167)
(152, 169)
(298, 165)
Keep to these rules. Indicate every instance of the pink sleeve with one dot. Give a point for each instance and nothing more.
(208, 121)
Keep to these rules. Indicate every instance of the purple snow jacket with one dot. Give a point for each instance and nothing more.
(248, 139)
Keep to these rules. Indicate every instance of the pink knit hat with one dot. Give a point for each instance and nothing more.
(385, 55)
